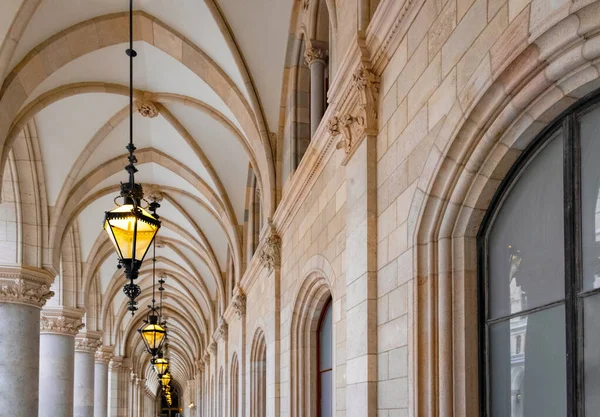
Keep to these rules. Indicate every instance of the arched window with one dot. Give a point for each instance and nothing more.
(258, 382)
(540, 276)
(325, 363)
(234, 402)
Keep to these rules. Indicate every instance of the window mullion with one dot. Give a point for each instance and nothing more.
(572, 255)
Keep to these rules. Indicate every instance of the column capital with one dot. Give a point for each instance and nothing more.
(88, 342)
(25, 285)
(61, 320)
(313, 54)
(270, 250)
(104, 354)
(239, 302)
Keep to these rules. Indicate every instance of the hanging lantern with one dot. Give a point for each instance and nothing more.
(153, 334)
(130, 227)
(165, 379)
(161, 365)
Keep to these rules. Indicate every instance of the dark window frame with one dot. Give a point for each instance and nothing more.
(568, 123)
(328, 305)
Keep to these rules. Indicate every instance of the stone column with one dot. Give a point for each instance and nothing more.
(86, 345)
(114, 368)
(58, 327)
(102, 359)
(23, 291)
(315, 58)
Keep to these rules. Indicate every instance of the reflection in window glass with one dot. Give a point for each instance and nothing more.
(516, 378)
(590, 198)
(526, 255)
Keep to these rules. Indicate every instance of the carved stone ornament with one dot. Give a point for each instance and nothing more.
(305, 4)
(239, 304)
(20, 291)
(367, 85)
(153, 193)
(60, 325)
(212, 348)
(115, 364)
(103, 356)
(206, 357)
(223, 329)
(200, 365)
(313, 54)
(87, 345)
(270, 253)
(146, 108)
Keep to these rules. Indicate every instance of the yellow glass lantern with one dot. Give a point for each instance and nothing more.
(153, 334)
(161, 365)
(165, 379)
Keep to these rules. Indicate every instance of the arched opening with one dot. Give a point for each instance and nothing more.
(325, 362)
(234, 401)
(539, 257)
(258, 383)
(311, 350)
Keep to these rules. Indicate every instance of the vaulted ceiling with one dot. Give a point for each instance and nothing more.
(208, 78)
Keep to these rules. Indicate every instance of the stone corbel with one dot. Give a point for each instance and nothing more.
(212, 348)
(239, 303)
(200, 365)
(270, 252)
(223, 329)
(367, 85)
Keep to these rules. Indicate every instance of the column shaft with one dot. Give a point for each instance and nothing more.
(20, 341)
(83, 401)
(317, 94)
(101, 389)
(57, 358)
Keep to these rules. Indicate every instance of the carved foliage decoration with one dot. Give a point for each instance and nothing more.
(60, 324)
(212, 348)
(146, 108)
(270, 253)
(360, 118)
(200, 365)
(23, 292)
(313, 54)
(103, 356)
(87, 345)
(239, 304)
(222, 329)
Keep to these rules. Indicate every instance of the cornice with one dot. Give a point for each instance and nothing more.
(25, 285)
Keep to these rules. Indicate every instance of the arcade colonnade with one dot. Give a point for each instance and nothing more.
(361, 202)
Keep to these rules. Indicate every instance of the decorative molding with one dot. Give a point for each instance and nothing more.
(87, 345)
(223, 329)
(313, 54)
(239, 303)
(270, 251)
(146, 108)
(62, 325)
(104, 355)
(21, 291)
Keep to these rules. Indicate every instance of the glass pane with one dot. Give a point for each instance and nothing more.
(591, 356)
(531, 383)
(325, 341)
(590, 198)
(326, 394)
(526, 266)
